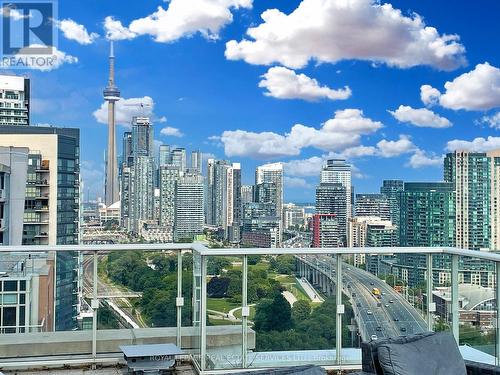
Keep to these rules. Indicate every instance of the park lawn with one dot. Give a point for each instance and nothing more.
(221, 304)
(285, 279)
(222, 322)
(259, 266)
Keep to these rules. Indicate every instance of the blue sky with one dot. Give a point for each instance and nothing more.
(333, 72)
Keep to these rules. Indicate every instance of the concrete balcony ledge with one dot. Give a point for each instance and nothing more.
(25, 345)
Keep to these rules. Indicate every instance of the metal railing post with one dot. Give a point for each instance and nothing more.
(203, 314)
(180, 300)
(340, 311)
(95, 307)
(454, 297)
(497, 333)
(244, 312)
(431, 308)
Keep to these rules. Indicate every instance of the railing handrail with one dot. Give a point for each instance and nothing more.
(205, 251)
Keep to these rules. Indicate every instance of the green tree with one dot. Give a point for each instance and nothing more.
(216, 265)
(284, 264)
(273, 314)
(301, 311)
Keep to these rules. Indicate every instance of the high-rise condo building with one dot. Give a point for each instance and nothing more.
(169, 176)
(246, 194)
(494, 157)
(137, 204)
(469, 172)
(142, 137)
(178, 158)
(224, 197)
(392, 190)
(14, 100)
(39, 176)
(196, 161)
(331, 199)
(427, 219)
(372, 205)
(326, 231)
(127, 149)
(371, 231)
(165, 157)
(189, 213)
(337, 171)
(273, 173)
(260, 225)
(293, 216)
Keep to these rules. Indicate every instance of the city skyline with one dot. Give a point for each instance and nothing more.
(177, 76)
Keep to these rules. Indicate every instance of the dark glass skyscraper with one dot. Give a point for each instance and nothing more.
(392, 190)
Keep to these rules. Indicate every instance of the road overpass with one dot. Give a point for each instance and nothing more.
(389, 316)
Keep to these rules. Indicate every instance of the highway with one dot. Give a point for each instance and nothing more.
(389, 316)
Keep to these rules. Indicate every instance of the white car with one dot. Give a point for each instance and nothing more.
(369, 312)
(374, 337)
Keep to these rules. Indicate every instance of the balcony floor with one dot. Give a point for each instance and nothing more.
(184, 369)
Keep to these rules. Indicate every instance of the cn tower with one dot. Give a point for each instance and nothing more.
(111, 95)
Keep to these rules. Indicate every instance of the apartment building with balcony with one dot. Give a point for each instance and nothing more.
(41, 206)
(14, 100)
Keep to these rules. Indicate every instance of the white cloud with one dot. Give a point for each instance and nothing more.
(389, 149)
(265, 145)
(344, 130)
(492, 121)
(476, 90)
(358, 152)
(126, 109)
(331, 31)
(351, 121)
(421, 117)
(304, 167)
(476, 145)
(77, 32)
(43, 62)
(420, 160)
(357, 173)
(429, 95)
(283, 83)
(116, 31)
(170, 131)
(182, 18)
(296, 182)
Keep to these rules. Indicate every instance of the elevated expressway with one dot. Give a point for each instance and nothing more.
(389, 316)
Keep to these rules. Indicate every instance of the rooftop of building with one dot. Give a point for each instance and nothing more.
(470, 295)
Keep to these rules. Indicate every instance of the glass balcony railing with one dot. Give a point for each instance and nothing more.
(233, 309)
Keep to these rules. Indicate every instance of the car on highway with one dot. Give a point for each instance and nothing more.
(372, 283)
(374, 337)
(403, 329)
(369, 312)
(386, 305)
(396, 319)
(391, 301)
